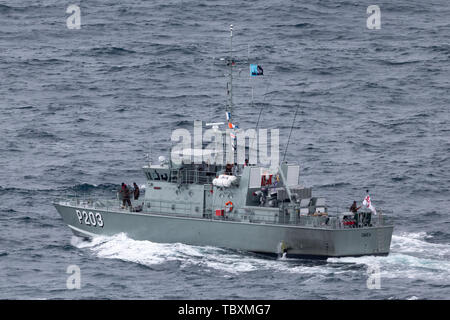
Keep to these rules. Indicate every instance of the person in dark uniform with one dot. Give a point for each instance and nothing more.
(136, 191)
(354, 208)
(229, 169)
(125, 195)
(120, 192)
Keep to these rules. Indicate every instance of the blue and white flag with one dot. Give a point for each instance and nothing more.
(256, 70)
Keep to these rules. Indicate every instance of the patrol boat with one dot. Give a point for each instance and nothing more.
(242, 207)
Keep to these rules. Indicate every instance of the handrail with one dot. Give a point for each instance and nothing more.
(191, 176)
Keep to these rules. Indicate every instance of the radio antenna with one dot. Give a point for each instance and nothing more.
(260, 110)
(289, 138)
(262, 106)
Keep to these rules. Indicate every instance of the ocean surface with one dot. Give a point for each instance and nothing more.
(79, 109)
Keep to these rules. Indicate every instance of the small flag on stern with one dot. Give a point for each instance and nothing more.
(368, 204)
(256, 70)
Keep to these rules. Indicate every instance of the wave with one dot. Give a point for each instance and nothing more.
(399, 63)
(32, 133)
(90, 187)
(6, 9)
(111, 51)
(82, 187)
(333, 185)
(43, 62)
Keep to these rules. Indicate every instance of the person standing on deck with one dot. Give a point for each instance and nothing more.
(354, 209)
(126, 196)
(136, 191)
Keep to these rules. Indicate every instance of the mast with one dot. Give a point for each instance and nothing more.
(230, 89)
(229, 112)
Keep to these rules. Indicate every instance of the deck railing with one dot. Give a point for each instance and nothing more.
(182, 209)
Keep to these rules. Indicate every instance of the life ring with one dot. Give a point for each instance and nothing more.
(229, 206)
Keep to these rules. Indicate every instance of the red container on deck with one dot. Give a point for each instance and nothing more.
(219, 212)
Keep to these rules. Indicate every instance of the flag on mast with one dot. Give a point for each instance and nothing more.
(232, 131)
(368, 204)
(230, 124)
(256, 70)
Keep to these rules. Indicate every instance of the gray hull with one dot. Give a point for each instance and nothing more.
(298, 241)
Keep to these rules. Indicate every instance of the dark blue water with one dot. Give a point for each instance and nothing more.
(81, 108)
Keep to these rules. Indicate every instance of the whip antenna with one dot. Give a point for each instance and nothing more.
(289, 138)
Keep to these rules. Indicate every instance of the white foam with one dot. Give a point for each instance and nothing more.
(411, 257)
(76, 241)
(150, 253)
(414, 243)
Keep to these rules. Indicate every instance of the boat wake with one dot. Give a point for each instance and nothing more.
(411, 257)
(208, 259)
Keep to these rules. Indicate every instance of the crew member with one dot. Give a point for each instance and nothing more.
(120, 192)
(229, 169)
(355, 209)
(136, 191)
(126, 195)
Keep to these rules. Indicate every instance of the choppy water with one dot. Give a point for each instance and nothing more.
(80, 108)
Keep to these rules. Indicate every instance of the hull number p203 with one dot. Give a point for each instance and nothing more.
(89, 218)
